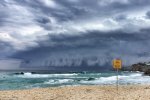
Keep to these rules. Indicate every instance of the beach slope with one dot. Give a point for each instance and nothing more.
(128, 92)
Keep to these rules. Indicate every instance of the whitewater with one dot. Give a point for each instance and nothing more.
(11, 80)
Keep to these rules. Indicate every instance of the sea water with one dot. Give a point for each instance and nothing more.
(11, 80)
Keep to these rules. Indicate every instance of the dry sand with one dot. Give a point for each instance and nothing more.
(136, 92)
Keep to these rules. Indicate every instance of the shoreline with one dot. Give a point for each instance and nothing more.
(85, 92)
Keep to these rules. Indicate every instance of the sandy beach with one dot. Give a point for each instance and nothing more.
(136, 92)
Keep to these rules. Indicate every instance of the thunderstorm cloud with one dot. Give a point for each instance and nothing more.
(69, 32)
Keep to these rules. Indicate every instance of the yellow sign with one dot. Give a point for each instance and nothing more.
(117, 63)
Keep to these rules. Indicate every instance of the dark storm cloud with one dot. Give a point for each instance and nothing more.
(109, 44)
(81, 9)
(148, 14)
(121, 17)
(6, 49)
(95, 38)
(104, 6)
(38, 7)
(102, 28)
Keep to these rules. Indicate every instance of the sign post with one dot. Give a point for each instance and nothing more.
(117, 64)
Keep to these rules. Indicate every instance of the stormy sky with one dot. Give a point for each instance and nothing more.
(54, 30)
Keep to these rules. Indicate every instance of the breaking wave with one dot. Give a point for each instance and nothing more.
(31, 80)
(30, 75)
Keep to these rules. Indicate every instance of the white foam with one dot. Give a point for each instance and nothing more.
(58, 81)
(136, 74)
(134, 78)
(125, 78)
(65, 81)
(57, 75)
(30, 75)
(50, 82)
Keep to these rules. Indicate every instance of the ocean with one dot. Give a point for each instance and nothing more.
(15, 81)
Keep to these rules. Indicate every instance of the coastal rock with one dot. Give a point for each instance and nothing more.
(19, 73)
(138, 67)
(90, 79)
(147, 72)
(142, 67)
(135, 67)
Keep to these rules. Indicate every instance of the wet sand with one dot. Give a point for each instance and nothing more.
(126, 92)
